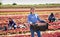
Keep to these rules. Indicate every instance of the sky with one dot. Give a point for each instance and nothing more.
(29, 1)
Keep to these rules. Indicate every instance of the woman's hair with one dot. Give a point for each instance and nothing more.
(10, 18)
(32, 8)
(52, 14)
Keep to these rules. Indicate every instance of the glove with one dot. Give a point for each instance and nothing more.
(30, 22)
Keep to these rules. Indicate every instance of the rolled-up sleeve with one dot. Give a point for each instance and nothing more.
(40, 20)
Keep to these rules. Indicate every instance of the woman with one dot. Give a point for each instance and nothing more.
(51, 18)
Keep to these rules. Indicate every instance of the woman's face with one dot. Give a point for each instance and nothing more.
(32, 10)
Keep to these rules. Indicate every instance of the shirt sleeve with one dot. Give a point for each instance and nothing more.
(40, 20)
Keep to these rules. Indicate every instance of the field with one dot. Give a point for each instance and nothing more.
(20, 17)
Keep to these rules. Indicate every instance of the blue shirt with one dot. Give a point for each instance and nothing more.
(51, 18)
(34, 18)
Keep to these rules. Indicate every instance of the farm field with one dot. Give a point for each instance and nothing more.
(20, 16)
